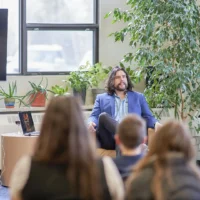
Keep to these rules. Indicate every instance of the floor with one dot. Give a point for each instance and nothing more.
(4, 193)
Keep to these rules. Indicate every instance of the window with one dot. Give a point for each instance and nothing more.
(56, 37)
(60, 11)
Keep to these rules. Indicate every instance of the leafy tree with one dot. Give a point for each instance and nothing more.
(166, 35)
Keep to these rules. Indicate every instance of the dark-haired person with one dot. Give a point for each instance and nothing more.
(111, 107)
(168, 171)
(130, 137)
(64, 165)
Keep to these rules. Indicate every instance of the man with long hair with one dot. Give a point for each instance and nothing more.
(111, 107)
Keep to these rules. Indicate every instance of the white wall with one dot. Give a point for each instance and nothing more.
(110, 53)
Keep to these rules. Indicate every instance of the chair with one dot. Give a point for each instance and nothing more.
(104, 152)
(112, 153)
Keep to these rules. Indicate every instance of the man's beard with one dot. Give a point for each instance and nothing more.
(118, 88)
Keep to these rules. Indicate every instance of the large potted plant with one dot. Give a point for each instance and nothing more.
(165, 35)
(10, 96)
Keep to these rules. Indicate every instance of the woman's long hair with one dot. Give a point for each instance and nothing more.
(64, 139)
(110, 82)
(173, 137)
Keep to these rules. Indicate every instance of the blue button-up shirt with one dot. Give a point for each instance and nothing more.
(121, 108)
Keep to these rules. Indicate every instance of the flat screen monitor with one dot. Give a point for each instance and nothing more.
(3, 42)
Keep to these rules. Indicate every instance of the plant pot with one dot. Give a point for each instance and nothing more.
(80, 94)
(97, 91)
(9, 102)
(38, 99)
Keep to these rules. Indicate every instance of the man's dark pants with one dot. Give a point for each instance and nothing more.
(106, 131)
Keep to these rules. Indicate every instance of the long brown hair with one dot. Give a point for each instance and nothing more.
(110, 82)
(64, 139)
(173, 137)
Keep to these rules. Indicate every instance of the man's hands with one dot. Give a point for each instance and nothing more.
(91, 127)
(157, 126)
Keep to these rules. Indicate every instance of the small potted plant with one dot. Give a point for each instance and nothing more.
(88, 76)
(10, 97)
(79, 81)
(38, 94)
(58, 90)
(97, 73)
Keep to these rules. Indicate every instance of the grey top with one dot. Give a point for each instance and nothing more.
(185, 182)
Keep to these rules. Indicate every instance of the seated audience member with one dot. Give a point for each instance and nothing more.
(64, 165)
(168, 171)
(130, 135)
(111, 107)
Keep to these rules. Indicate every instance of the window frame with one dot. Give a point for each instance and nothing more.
(25, 27)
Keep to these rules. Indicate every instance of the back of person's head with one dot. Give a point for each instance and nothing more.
(131, 131)
(110, 82)
(64, 139)
(63, 132)
(173, 136)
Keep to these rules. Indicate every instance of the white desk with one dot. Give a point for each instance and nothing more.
(13, 147)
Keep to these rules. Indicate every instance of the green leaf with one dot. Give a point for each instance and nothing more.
(108, 15)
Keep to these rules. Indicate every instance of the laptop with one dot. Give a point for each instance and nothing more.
(27, 124)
